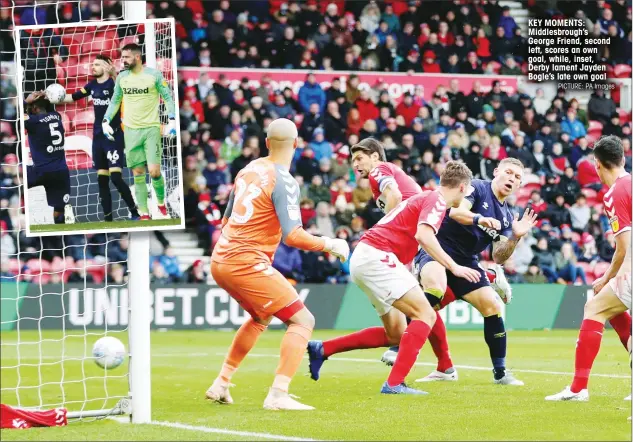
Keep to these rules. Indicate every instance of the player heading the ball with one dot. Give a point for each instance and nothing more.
(46, 142)
(378, 267)
(139, 88)
(263, 209)
(108, 156)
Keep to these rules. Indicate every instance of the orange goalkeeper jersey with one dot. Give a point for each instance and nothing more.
(263, 209)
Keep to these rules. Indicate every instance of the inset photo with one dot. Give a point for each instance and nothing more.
(101, 138)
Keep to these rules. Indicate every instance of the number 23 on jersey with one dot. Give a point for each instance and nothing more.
(243, 203)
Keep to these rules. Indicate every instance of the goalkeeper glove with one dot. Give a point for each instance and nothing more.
(107, 129)
(170, 129)
(337, 247)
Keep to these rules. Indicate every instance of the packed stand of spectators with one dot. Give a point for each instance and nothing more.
(467, 37)
(224, 125)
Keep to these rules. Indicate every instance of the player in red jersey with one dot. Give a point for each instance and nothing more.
(390, 185)
(378, 267)
(613, 289)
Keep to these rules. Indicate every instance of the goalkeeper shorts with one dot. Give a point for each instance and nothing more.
(143, 146)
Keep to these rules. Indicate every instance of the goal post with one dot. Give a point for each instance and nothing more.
(51, 323)
(138, 259)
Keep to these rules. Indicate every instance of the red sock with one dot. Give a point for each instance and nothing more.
(622, 326)
(587, 349)
(412, 341)
(439, 342)
(371, 337)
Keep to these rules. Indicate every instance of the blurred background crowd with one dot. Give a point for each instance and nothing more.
(223, 126)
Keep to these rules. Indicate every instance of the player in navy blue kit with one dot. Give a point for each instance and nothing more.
(483, 218)
(108, 156)
(45, 130)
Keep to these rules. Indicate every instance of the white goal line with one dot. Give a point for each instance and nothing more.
(205, 429)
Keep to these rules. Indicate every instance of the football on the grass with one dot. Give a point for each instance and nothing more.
(55, 93)
(108, 352)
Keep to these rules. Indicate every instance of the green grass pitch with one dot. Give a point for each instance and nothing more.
(348, 404)
(114, 225)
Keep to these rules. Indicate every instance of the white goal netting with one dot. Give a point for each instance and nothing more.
(59, 295)
(64, 55)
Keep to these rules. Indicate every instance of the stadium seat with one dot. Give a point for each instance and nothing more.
(164, 65)
(522, 201)
(590, 279)
(14, 266)
(601, 268)
(6, 127)
(495, 66)
(589, 193)
(61, 75)
(524, 193)
(622, 71)
(127, 39)
(65, 121)
(595, 126)
(586, 267)
(625, 116)
(84, 120)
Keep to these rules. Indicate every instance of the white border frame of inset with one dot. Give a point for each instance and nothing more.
(21, 111)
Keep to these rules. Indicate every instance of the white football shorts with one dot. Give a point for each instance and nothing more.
(382, 277)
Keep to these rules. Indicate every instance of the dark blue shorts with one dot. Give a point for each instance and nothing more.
(107, 154)
(56, 184)
(459, 286)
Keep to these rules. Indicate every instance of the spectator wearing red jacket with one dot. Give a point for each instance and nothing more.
(587, 174)
(483, 45)
(408, 108)
(429, 64)
(366, 107)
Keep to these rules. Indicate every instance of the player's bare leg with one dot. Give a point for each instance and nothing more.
(415, 306)
(293, 345)
(432, 278)
(599, 309)
(485, 300)
(140, 190)
(158, 182)
(244, 340)
(394, 323)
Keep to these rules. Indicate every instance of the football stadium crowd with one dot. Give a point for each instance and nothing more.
(224, 122)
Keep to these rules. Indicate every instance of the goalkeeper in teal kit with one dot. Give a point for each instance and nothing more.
(139, 88)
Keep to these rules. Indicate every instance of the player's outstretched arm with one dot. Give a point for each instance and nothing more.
(425, 236)
(77, 95)
(464, 216)
(622, 244)
(285, 198)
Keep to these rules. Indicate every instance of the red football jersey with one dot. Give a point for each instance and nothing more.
(617, 204)
(389, 173)
(395, 233)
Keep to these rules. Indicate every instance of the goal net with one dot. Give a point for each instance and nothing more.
(64, 54)
(59, 295)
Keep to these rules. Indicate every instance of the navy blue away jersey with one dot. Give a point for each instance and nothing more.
(46, 141)
(469, 241)
(101, 94)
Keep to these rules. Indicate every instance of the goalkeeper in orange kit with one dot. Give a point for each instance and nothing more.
(263, 209)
